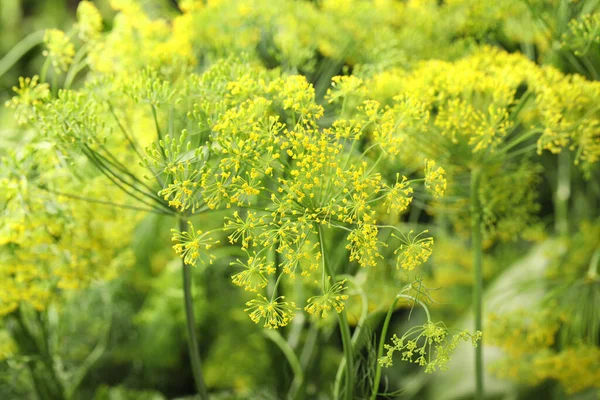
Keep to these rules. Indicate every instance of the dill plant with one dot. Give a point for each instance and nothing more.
(174, 127)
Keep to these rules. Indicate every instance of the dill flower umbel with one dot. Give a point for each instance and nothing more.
(89, 21)
(435, 180)
(30, 94)
(427, 346)
(253, 276)
(413, 251)
(332, 298)
(59, 49)
(193, 244)
(398, 196)
(276, 312)
(364, 245)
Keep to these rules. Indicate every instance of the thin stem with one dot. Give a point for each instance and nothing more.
(132, 144)
(563, 192)
(49, 383)
(383, 336)
(345, 332)
(477, 251)
(76, 66)
(190, 319)
(19, 50)
(105, 202)
(158, 131)
(292, 359)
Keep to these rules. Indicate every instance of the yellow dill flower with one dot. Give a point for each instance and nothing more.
(398, 197)
(30, 94)
(298, 95)
(363, 245)
(59, 49)
(413, 251)
(427, 346)
(304, 256)
(276, 312)
(343, 87)
(332, 298)
(244, 229)
(252, 277)
(576, 368)
(435, 181)
(181, 193)
(89, 21)
(192, 244)
(188, 6)
(244, 190)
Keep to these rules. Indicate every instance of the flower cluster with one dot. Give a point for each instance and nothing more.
(428, 345)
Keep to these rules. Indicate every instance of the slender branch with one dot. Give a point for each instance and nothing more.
(345, 332)
(563, 192)
(105, 202)
(19, 50)
(477, 252)
(292, 359)
(190, 319)
(383, 336)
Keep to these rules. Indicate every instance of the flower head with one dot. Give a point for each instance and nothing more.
(427, 346)
(59, 49)
(398, 196)
(276, 312)
(30, 94)
(192, 243)
(253, 275)
(363, 245)
(435, 181)
(332, 298)
(89, 21)
(413, 251)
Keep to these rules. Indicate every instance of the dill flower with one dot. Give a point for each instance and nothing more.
(276, 312)
(413, 251)
(435, 180)
(30, 94)
(583, 33)
(89, 21)
(427, 346)
(398, 196)
(332, 298)
(576, 368)
(304, 256)
(343, 87)
(192, 243)
(59, 49)
(180, 193)
(252, 277)
(244, 229)
(363, 245)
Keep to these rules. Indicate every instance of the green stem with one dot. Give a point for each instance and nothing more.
(563, 192)
(348, 359)
(76, 66)
(292, 359)
(41, 366)
(190, 319)
(383, 337)
(477, 251)
(19, 50)
(348, 356)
